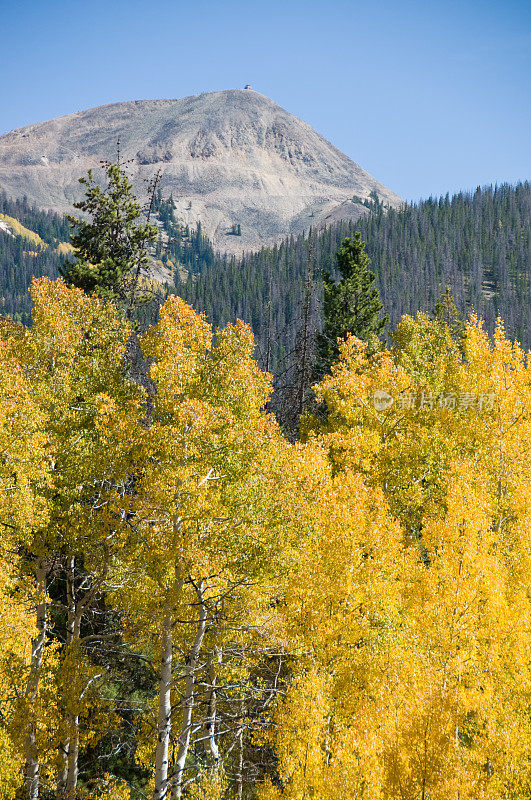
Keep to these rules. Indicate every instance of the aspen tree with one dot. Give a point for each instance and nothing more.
(344, 614)
(88, 417)
(23, 512)
(210, 496)
(16, 634)
(455, 467)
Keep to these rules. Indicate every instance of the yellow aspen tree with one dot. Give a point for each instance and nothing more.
(454, 627)
(96, 430)
(23, 509)
(16, 633)
(450, 449)
(344, 616)
(210, 522)
(404, 446)
(89, 416)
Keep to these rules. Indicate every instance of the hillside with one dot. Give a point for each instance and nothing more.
(249, 171)
(32, 243)
(478, 244)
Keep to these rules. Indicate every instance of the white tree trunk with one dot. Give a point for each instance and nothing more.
(31, 772)
(211, 719)
(62, 772)
(64, 747)
(164, 712)
(73, 757)
(239, 774)
(69, 747)
(189, 697)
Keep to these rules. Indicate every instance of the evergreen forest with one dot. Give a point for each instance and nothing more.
(477, 244)
(26, 252)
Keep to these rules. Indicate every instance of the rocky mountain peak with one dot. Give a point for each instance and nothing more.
(232, 159)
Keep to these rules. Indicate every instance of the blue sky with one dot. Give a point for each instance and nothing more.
(429, 97)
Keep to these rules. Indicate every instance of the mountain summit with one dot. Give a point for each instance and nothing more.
(250, 171)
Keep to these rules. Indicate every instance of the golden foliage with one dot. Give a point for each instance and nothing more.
(438, 683)
(386, 558)
(26, 233)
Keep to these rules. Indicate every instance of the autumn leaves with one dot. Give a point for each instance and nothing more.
(433, 687)
(345, 617)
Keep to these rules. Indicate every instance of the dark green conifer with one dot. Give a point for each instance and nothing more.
(447, 314)
(111, 246)
(350, 306)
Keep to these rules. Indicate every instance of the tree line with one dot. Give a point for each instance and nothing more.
(20, 260)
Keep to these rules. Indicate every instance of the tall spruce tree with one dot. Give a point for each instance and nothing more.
(111, 247)
(350, 306)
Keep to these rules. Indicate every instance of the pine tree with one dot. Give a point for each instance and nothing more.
(111, 248)
(351, 305)
(447, 313)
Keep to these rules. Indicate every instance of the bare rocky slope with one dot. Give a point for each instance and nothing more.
(230, 158)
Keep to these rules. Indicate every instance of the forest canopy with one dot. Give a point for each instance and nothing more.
(476, 243)
(196, 607)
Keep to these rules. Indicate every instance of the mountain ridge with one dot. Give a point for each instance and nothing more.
(247, 169)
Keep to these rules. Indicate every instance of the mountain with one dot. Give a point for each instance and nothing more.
(249, 171)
